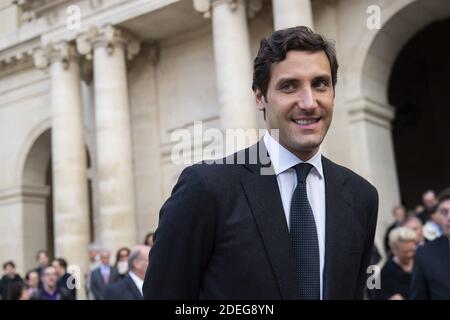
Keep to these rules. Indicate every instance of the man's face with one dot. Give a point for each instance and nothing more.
(33, 279)
(399, 215)
(10, 271)
(105, 257)
(429, 200)
(140, 265)
(50, 277)
(43, 259)
(405, 251)
(416, 226)
(58, 268)
(300, 100)
(444, 212)
(93, 253)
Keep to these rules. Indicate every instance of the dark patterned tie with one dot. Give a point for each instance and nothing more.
(304, 240)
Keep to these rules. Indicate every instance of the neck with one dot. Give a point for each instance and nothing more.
(303, 155)
(405, 266)
(140, 275)
(50, 290)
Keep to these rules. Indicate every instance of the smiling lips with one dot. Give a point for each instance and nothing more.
(306, 123)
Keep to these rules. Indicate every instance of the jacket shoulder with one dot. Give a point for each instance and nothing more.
(217, 169)
(432, 247)
(354, 179)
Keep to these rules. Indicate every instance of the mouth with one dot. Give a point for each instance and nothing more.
(307, 123)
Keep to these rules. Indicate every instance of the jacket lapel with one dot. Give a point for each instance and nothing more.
(132, 286)
(263, 196)
(444, 251)
(338, 227)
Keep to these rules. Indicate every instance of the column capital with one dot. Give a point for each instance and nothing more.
(61, 51)
(205, 6)
(365, 109)
(107, 36)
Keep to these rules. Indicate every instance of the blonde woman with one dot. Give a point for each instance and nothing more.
(396, 273)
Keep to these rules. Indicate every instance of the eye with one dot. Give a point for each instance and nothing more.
(287, 86)
(321, 84)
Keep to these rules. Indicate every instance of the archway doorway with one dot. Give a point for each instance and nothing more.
(38, 200)
(418, 89)
(37, 212)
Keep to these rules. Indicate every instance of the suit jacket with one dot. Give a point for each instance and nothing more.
(62, 294)
(63, 282)
(5, 286)
(431, 274)
(124, 289)
(223, 234)
(98, 285)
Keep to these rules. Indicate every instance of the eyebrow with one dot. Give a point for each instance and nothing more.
(324, 76)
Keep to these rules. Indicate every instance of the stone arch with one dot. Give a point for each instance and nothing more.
(34, 173)
(401, 21)
(36, 198)
(26, 147)
(370, 114)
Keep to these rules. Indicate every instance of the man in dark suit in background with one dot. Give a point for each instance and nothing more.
(278, 220)
(429, 201)
(104, 275)
(130, 287)
(65, 279)
(431, 274)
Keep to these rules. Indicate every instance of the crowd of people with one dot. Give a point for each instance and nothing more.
(50, 280)
(417, 247)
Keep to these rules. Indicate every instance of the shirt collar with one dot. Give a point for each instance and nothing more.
(104, 267)
(282, 159)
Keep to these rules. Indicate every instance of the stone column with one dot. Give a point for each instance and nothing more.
(111, 47)
(70, 195)
(373, 155)
(233, 63)
(292, 13)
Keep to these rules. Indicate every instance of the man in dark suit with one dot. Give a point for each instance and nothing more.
(102, 276)
(65, 279)
(429, 201)
(9, 278)
(278, 220)
(130, 287)
(50, 289)
(431, 274)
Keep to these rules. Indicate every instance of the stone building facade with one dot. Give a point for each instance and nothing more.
(91, 92)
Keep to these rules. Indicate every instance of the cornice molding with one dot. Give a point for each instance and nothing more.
(205, 6)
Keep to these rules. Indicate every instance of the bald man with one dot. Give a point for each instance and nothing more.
(130, 287)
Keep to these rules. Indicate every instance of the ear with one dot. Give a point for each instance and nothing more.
(260, 100)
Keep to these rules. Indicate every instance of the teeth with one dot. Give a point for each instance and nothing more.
(305, 122)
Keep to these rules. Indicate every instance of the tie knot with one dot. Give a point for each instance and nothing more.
(302, 170)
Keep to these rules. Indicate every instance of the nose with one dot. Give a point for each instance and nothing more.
(306, 100)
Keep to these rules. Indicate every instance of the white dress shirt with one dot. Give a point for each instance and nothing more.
(283, 162)
(137, 281)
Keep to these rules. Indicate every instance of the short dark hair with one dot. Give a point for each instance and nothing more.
(27, 276)
(9, 263)
(274, 49)
(444, 195)
(62, 263)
